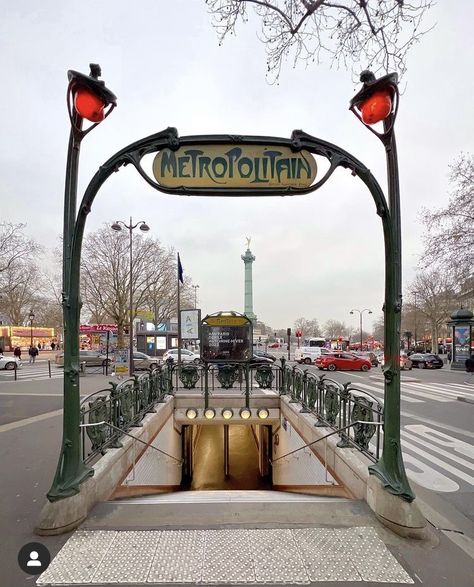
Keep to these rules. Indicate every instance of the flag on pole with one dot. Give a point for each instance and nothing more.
(180, 270)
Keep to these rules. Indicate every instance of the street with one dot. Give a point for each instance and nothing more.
(437, 433)
(437, 437)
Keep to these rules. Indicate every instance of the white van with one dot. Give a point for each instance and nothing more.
(307, 354)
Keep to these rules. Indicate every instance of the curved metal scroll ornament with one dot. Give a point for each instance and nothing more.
(99, 411)
(362, 410)
(264, 376)
(227, 375)
(311, 392)
(298, 385)
(331, 403)
(189, 376)
(125, 401)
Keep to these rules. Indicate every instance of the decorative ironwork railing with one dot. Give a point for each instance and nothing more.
(356, 413)
(122, 405)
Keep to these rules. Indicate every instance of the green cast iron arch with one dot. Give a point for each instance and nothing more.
(390, 468)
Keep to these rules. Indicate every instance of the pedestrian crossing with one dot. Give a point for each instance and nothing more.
(415, 393)
(34, 372)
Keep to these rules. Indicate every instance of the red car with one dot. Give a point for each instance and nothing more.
(342, 361)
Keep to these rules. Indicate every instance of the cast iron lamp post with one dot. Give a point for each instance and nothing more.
(195, 295)
(87, 98)
(130, 227)
(360, 320)
(31, 317)
(377, 101)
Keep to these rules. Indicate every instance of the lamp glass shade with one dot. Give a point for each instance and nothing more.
(144, 227)
(209, 413)
(245, 413)
(116, 226)
(227, 413)
(377, 107)
(88, 105)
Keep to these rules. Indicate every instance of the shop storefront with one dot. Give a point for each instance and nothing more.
(23, 336)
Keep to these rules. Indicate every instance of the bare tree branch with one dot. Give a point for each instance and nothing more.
(354, 33)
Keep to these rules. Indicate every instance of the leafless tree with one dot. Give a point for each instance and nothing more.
(450, 238)
(14, 245)
(308, 327)
(334, 328)
(356, 34)
(378, 329)
(21, 289)
(436, 300)
(106, 277)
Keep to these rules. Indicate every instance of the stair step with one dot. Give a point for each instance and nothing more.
(199, 509)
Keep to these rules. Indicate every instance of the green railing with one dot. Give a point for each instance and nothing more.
(122, 405)
(357, 413)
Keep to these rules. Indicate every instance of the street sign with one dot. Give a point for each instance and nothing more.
(234, 166)
(121, 361)
(190, 321)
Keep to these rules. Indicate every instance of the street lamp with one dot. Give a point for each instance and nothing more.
(87, 98)
(130, 227)
(195, 295)
(377, 101)
(31, 317)
(360, 320)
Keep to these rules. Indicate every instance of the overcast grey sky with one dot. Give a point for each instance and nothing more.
(318, 255)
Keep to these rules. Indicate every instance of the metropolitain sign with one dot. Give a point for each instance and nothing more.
(231, 166)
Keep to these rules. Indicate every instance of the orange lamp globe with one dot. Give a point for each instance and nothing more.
(377, 107)
(88, 105)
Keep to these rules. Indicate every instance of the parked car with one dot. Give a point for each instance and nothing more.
(90, 358)
(8, 363)
(342, 361)
(426, 361)
(186, 356)
(265, 355)
(308, 354)
(405, 362)
(258, 359)
(142, 361)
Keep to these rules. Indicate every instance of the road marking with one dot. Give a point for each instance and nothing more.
(428, 477)
(443, 439)
(441, 391)
(418, 451)
(27, 421)
(32, 394)
(381, 391)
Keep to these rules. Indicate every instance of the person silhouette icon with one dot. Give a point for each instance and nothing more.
(34, 558)
(33, 562)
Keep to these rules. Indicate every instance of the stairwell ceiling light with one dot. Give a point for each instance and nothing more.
(245, 413)
(227, 413)
(263, 413)
(191, 413)
(209, 413)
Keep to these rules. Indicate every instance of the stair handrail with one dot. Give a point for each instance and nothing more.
(180, 461)
(324, 437)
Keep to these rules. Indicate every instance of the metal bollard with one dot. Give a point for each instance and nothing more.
(15, 369)
(49, 368)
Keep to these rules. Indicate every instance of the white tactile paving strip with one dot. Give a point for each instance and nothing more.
(227, 556)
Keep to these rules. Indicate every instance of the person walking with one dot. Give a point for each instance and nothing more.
(33, 352)
(17, 352)
(469, 370)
